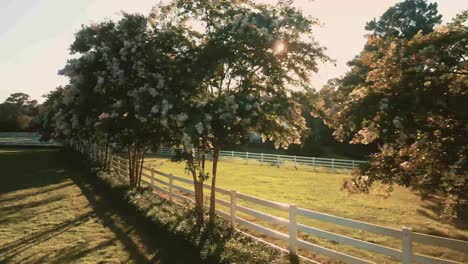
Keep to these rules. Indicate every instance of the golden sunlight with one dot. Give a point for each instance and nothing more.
(279, 47)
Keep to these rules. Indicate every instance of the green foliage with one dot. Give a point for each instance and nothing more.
(45, 118)
(406, 19)
(17, 112)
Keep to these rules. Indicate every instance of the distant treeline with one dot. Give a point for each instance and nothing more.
(17, 113)
(318, 141)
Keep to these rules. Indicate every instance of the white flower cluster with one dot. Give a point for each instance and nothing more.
(61, 125)
(75, 123)
(242, 22)
(103, 116)
(187, 143)
(180, 119)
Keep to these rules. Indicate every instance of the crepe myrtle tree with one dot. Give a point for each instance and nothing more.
(55, 116)
(133, 84)
(86, 104)
(247, 60)
(413, 107)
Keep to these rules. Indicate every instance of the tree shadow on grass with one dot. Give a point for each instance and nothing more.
(432, 208)
(7, 210)
(24, 168)
(139, 236)
(30, 194)
(9, 250)
(22, 216)
(67, 254)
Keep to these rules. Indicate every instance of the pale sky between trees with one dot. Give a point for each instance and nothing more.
(35, 34)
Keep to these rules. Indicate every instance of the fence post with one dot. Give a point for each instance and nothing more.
(233, 208)
(247, 157)
(152, 177)
(333, 163)
(171, 182)
(277, 160)
(117, 165)
(121, 167)
(313, 161)
(262, 158)
(292, 229)
(354, 165)
(295, 161)
(232, 153)
(407, 246)
(127, 168)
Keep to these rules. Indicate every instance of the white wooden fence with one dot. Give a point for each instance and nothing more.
(30, 144)
(157, 179)
(278, 160)
(25, 139)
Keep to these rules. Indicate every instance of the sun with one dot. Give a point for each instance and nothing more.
(280, 47)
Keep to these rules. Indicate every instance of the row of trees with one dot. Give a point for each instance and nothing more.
(202, 75)
(199, 75)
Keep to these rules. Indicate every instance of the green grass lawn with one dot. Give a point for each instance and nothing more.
(319, 190)
(50, 214)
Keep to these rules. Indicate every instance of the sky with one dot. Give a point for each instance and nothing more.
(35, 35)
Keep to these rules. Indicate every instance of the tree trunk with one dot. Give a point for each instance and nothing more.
(198, 187)
(213, 185)
(135, 165)
(106, 157)
(130, 166)
(140, 170)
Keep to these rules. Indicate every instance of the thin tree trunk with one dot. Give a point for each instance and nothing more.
(142, 160)
(213, 185)
(106, 157)
(203, 161)
(198, 187)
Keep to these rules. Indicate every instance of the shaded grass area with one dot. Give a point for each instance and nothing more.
(319, 190)
(50, 213)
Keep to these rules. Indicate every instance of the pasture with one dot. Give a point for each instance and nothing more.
(319, 190)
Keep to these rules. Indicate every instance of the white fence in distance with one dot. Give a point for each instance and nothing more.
(278, 160)
(406, 235)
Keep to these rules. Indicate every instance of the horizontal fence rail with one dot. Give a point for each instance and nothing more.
(278, 160)
(31, 144)
(405, 235)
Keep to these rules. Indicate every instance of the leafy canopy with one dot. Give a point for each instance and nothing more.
(406, 19)
(412, 105)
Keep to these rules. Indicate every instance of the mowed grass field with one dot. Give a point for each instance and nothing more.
(319, 190)
(50, 214)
